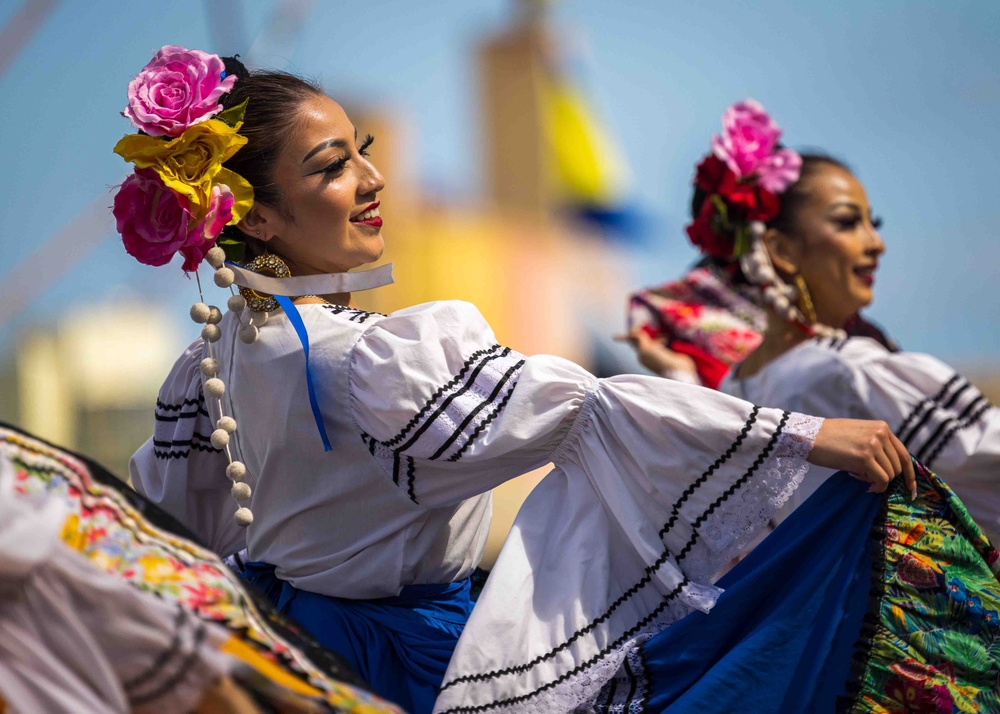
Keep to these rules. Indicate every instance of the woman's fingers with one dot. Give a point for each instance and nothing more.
(868, 449)
(909, 472)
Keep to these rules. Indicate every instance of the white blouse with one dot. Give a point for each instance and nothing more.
(656, 485)
(944, 421)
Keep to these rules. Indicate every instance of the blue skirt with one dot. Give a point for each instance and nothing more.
(856, 602)
(399, 645)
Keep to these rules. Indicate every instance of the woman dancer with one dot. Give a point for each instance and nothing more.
(367, 445)
(890, 607)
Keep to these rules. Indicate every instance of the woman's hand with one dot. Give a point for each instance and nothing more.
(655, 356)
(868, 450)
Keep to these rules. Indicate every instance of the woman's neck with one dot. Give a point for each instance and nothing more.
(779, 337)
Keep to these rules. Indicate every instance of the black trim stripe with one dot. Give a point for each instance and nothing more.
(449, 399)
(353, 314)
(675, 512)
(974, 404)
(174, 454)
(164, 657)
(470, 417)
(646, 620)
(179, 675)
(902, 432)
(580, 667)
(957, 425)
(437, 395)
(482, 426)
(625, 596)
(177, 407)
(410, 475)
(761, 457)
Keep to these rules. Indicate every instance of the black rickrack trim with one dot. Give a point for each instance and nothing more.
(164, 657)
(437, 395)
(901, 432)
(675, 512)
(956, 427)
(470, 417)
(179, 675)
(872, 621)
(361, 315)
(198, 401)
(625, 596)
(485, 423)
(761, 457)
(579, 668)
(177, 407)
(410, 474)
(168, 454)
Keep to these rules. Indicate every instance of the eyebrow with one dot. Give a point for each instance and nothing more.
(328, 144)
(849, 204)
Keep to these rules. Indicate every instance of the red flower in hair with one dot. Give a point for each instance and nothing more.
(751, 201)
(712, 174)
(703, 235)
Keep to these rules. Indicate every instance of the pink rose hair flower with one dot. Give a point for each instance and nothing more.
(155, 222)
(749, 146)
(179, 87)
(152, 220)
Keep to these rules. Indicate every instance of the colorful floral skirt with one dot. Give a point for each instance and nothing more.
(124, 535)
(855, 603)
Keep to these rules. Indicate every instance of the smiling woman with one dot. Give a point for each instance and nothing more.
(825, 243)
(368, 446)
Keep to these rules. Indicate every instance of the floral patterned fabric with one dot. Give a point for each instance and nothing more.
(709, 315)
(124, 535)
(935, 645)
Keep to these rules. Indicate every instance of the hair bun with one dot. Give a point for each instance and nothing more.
(235, 67)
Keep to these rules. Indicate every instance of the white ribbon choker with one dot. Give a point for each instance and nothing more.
(329, 284)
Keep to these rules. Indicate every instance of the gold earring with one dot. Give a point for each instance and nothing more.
(805, 303)
(266, 264)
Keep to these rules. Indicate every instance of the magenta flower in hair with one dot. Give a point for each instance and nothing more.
(749, 146)
(179, 87)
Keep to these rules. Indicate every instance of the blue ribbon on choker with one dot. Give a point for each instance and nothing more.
(300, 329)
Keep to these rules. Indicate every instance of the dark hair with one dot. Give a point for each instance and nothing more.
(272, 100)
(793, 197)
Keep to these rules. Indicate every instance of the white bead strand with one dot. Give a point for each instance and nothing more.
(227, 424)
(200, 312)
(237, 303)
(224, 277)
(215, 388)
(244, 517)
(236, 471)
(216, 257)
(241, 491)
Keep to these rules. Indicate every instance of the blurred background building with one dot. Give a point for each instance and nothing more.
(538, 158)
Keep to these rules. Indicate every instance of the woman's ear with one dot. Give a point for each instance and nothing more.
(258, 223)
(784, 251)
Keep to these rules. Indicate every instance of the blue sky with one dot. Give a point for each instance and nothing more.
(907, 91)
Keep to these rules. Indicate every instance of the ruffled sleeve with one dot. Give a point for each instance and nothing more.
(937, 413)
(178, 468)
(942, 419)
(657, 484)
